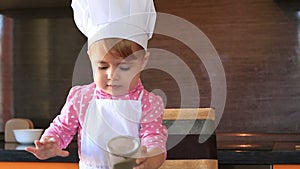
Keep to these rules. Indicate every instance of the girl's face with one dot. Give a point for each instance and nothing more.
(114, 74)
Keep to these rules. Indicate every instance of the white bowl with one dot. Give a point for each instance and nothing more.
(27, 136)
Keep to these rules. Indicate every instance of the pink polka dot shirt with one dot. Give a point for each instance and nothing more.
(70, 121)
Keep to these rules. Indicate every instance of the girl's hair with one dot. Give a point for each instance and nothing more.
(123, 47)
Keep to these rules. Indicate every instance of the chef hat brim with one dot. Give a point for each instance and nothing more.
(122, 31)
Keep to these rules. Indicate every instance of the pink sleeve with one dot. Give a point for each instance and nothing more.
(65, 125)
(153, 134)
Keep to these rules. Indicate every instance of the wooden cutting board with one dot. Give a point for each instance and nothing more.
(15, 123)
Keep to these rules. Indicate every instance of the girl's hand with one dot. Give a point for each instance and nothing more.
(141, 163)
(151, 160)
(46, 148)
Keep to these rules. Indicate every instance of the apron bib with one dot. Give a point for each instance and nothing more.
(104, 120)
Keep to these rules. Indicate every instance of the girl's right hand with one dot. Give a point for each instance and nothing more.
(46, 148)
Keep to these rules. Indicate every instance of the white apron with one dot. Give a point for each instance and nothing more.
(104, 120)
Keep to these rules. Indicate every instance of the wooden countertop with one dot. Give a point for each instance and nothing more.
(188, 164)
(230, 150)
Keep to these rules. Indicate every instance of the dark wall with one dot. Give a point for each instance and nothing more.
(46, 46)
(257, 41)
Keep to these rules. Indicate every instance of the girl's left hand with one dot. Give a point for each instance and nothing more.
(151, 159)
(141, 163)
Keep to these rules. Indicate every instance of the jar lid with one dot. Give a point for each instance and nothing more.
(123, 146)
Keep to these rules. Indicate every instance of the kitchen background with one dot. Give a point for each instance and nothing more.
(257, 41)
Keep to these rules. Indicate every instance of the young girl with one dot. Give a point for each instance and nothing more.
(114, 73)
(115, 104)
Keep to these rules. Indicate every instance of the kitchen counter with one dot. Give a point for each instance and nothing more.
(261, 149)
(233, 148)
(13, 152)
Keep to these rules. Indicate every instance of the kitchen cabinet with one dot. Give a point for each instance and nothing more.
(282, 166)
(245, 166)
(38, 165)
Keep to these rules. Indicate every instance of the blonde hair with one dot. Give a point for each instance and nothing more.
(123, 47)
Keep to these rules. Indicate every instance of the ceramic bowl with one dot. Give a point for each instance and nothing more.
(27, 136)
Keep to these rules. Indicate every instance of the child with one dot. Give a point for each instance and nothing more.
(116, 103)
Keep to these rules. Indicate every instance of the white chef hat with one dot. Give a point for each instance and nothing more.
(126, 19)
